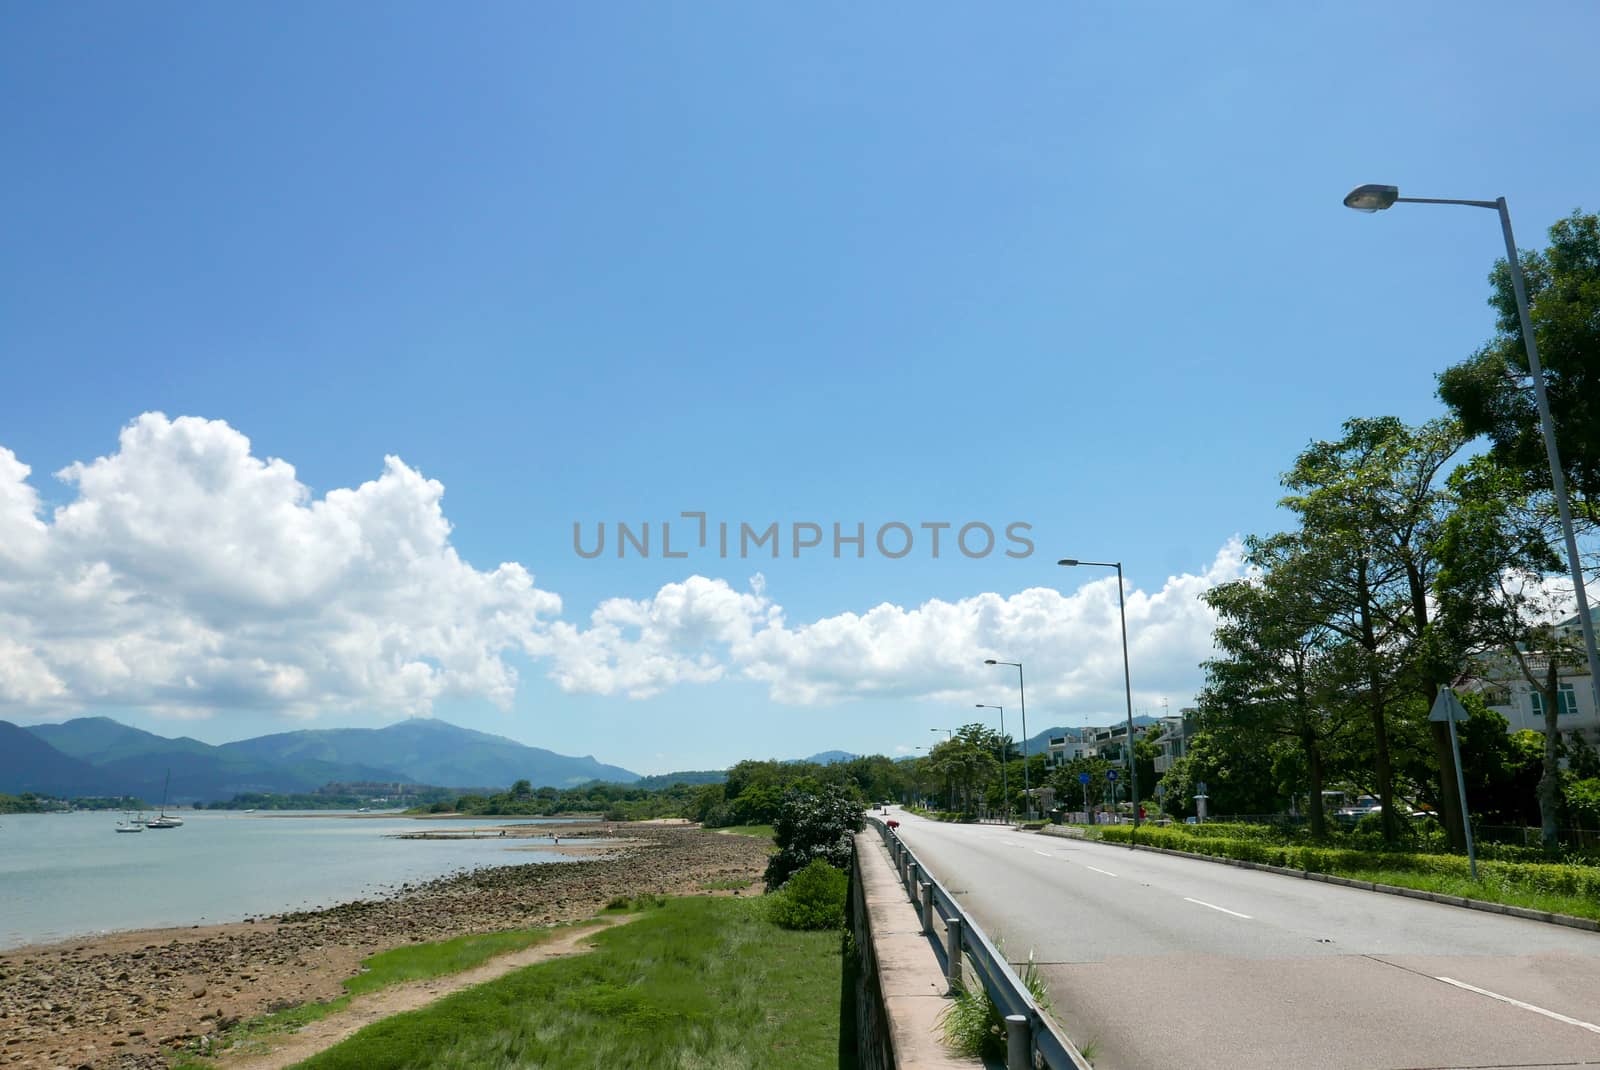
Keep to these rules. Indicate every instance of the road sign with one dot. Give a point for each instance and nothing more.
(1083, 778)
(1111, 774)
(1161, 789)
(1447, 707)
(1200, 788)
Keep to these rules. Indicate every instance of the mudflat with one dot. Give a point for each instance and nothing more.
(117, 1002)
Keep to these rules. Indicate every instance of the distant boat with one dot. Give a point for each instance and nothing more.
(164, 821)
(126, 825)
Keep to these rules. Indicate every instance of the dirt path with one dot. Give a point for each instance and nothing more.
(291, 1048)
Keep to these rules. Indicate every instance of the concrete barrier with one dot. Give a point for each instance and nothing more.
(900, 985)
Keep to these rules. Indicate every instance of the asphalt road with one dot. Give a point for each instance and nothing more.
(1163, 963)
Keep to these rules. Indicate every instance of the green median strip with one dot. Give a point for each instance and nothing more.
(699, 981)
(1556, 888)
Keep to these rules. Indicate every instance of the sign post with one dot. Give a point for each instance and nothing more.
(1448, 708)
(1083, 778)
(1201, 798)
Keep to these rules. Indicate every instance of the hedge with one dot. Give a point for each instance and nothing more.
(1551, 878)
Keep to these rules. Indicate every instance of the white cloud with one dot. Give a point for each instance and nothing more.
(701, 629)
(188, 575)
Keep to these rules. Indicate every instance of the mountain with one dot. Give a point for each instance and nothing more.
(433, 752)
(691, 777)
(99, 756)
(130, 761)
(828, 757)
(28, 763)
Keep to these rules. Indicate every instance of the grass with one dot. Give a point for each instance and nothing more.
(699, 982)
(725, 885)
(760, 832)
(413, 962)
(1556, 888)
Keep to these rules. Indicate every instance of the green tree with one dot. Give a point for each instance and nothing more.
(812, 825)
(1564, 303)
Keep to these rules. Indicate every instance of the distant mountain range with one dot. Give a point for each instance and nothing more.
(100, 756)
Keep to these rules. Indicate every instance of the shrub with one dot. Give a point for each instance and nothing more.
(974, 1024)
(812, 825)
(811, 899)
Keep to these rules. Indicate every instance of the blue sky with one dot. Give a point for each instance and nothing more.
(1083, 266)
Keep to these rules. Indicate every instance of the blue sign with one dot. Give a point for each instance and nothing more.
(1111, 774)
(1083, 778)
(1200, 787)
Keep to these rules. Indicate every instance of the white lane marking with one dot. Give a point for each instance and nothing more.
(1043, 854)
(1097, 869)
(1590, 1026)
(1213, 906)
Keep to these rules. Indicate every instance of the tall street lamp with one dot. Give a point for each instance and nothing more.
(1127, 681)
(1373, 198)
(1005, 789)
(949, 789)
(1023, 694)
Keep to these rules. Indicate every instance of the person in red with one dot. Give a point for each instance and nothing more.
(1141, 813)
(892, 823)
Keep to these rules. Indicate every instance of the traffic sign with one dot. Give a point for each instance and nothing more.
(1447, 707)
(1111, 774)
(1083, 778)
(1200, 788)
(1161, 789)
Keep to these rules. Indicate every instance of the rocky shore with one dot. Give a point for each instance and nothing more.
(121, 1002)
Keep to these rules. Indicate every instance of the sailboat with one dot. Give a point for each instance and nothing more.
(163, 821)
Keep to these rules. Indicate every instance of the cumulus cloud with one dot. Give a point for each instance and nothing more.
(188, 575)
(703, 629)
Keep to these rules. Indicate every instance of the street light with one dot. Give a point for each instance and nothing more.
(1005, 781)
(1127, 680)
(1023, 693)
(1373, 198)
(949, 786)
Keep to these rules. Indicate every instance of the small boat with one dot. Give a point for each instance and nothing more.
(129, 826)
(164, 821)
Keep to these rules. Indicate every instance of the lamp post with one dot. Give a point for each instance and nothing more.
(1127, 680)
(949, 789)
(1005, 789)
(1375, 198)
(1022, 693)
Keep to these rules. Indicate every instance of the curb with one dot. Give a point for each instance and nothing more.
(1548, 917)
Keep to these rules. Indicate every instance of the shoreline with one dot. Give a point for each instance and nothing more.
(117, 1000)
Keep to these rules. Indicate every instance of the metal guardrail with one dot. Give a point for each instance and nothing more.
(1033, 1041)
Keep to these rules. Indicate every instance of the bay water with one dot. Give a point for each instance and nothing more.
(72, 875)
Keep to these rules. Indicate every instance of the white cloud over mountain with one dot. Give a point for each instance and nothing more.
(188, 576)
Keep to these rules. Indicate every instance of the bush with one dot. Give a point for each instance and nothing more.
(813, 825)
(811, 899)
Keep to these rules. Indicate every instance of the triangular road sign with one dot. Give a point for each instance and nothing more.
(1447, 707)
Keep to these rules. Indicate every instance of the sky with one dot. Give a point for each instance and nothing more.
(325, 326)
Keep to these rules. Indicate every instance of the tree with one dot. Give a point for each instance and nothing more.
(522, 789)
(1277, 677)
(1491, 392)
(1496, 550)
(810, 825)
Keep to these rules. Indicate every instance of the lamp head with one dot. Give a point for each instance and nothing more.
(1371, 198)
(990, 661)
(1069, 561)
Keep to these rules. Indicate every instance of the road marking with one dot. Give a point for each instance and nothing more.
(1097, 869)
(1590, 1026)
(1213, 906)
(1043, 854)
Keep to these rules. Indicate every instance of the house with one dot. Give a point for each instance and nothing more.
(1506, 690)
(1176, 732)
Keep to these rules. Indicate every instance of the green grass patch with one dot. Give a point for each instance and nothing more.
(1557, 887)
(725, 885)
(702, 982)
(413, 962)
(760, 832)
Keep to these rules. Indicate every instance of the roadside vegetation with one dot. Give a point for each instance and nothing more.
(697, 981)
(1512, 878)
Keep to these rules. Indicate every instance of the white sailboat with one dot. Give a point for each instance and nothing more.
(164, 821)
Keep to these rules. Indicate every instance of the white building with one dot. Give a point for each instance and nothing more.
(1506, 690)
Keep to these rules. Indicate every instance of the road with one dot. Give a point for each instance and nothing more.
(1163, 963)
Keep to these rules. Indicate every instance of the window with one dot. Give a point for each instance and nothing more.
(1566, 701)
(1500, 696)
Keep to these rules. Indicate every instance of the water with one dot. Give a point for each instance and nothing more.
(66, 875)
